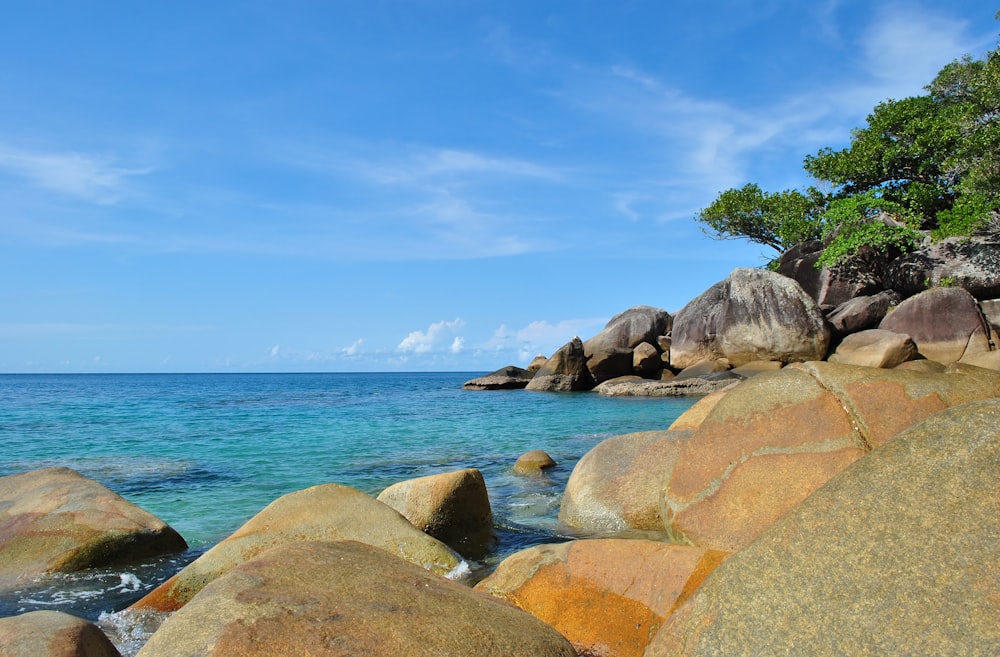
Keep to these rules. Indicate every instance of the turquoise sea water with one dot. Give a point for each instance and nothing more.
(205, 452)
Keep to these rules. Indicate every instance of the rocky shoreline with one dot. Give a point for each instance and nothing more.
(834, 494)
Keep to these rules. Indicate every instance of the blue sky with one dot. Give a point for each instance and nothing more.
(405, 185)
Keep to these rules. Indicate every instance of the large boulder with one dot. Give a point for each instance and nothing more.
(752, 315)
(861, 313)
(453, 507)
(57, 520)
(346, 598)
(610, 353)
(971, 262)
(860, 275)
(897, 555)
(329, 512)
(945, 323)
(646, 361)
(875, 348)
(52, 634)
(505, 378)
(565, 371)
(616, 485)
(773, 440)
(607, 596)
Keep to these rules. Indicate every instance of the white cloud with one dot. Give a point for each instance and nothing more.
(457, 344)
(352, 350)
(275, 350)
(422, 342)
(90, 177)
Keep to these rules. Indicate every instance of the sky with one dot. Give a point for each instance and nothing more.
(407, 185)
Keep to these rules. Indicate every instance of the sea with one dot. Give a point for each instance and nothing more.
(205, 452)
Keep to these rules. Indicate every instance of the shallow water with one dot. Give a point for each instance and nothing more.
(205, 452)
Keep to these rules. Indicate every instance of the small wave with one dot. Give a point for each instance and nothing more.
(460, 573)
(130, 630)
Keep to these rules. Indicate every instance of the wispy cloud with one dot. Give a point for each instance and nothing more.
(353, 348)
(95, 178)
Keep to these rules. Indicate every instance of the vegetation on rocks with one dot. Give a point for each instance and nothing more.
(927, 164)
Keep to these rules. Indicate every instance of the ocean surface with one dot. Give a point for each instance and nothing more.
(205, 452)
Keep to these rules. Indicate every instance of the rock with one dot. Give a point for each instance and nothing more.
(923, 365)
(565, 371)
(533, 462)
(862, 274)
(945, 323)
(453, 507)
(704, 368)
(755, 367)
(971, 263)
(989, 360)
(636, 387)
(991, 311)
(57, 520)
(506, 378)
(646, 361)
(692, 418)
(607, 596)
(52, 634)
(537, 362)
(861, 313)
(616, 485)
(875, 348)
(752, 315)
(609, 353)
(629, 329)
(346, 598)
(897, 555)
(329, 512)
(610, 363)
(776, 438)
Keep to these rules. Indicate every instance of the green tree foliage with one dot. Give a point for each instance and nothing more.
(924, 163)
(778, 220)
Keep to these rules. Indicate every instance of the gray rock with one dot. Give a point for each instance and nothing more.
(897, 555)
(565, 371)
(945, 323)
(610, 363)
(861, 313)
(505, 378)
(860, 275)
(646, 361)
(752, 315)
(972, 263)
(629, 328)
(636, 387)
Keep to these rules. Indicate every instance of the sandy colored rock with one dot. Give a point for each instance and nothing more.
(989, 360)
(57, 520)
(875, 348)
(607, 596)
(346, 598)
(776, 438)
(897, 555)
(537, 362)
(533, 462)
(755, 367)
(945, 323)
(52, 634)
(453, 507)
(692, 418)
(704, 368)
(329, 512)
(646, 361)
(616, 485)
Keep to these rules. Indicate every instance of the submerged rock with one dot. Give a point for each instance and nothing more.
(533, 462)
(346, 598)
(329, 512)
(896, 555)
(52, 634)
(57, 520)
(607, 596)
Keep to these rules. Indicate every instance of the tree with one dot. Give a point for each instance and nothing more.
(778, 220)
